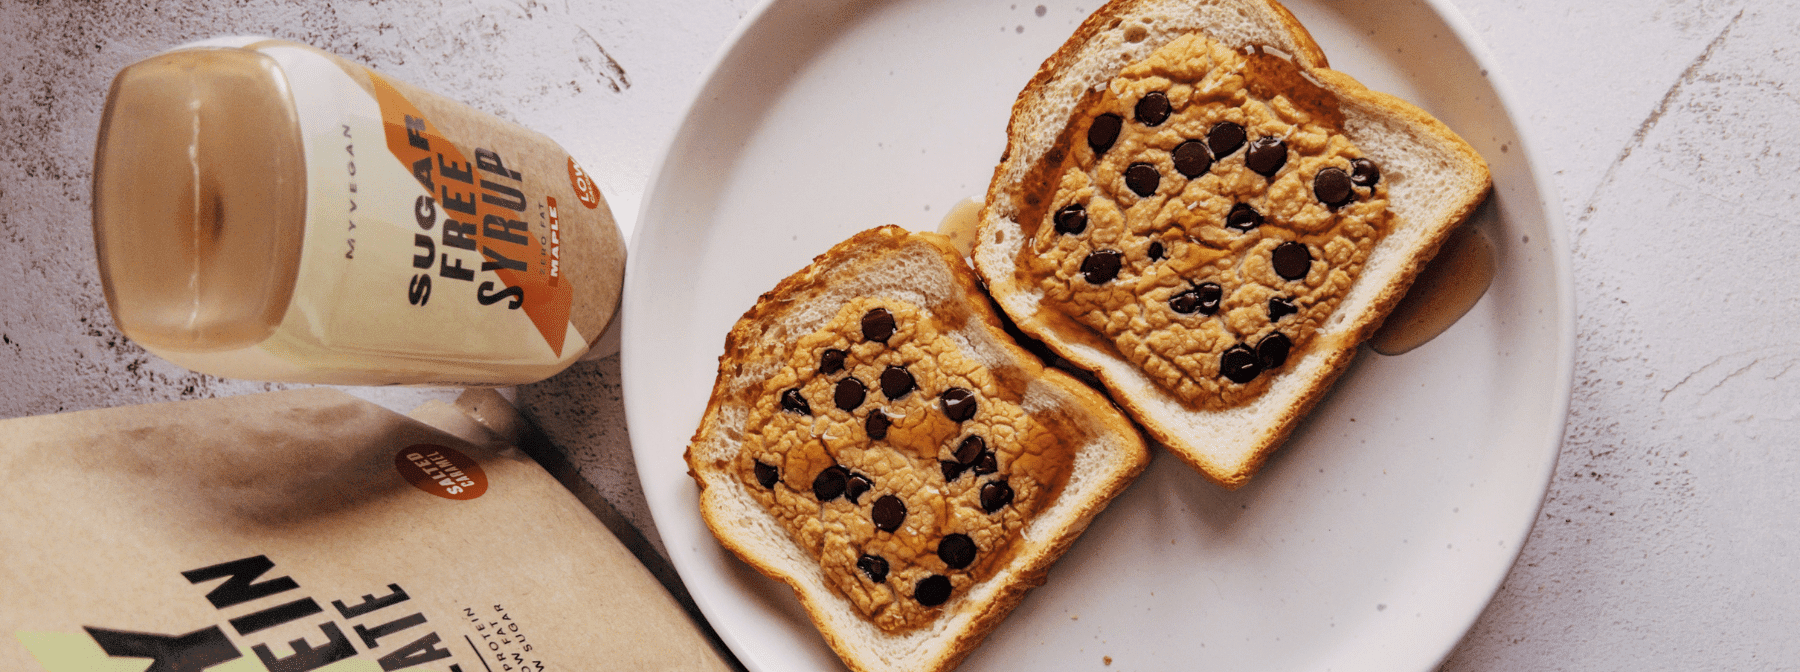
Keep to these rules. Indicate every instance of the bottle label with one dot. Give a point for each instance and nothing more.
(482, 206)
(443, 246)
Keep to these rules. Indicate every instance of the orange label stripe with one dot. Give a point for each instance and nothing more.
(462, 185)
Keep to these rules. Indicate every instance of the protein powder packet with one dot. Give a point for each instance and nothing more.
(309, 530)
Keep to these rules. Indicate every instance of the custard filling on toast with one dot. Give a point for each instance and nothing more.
(1205, 214)
(904, 466)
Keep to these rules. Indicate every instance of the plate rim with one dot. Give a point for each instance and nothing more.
(1561, 262)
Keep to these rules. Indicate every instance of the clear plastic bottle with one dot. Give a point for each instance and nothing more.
(266, 210)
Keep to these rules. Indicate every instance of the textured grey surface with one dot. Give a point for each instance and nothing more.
(1670, 534)
(1670, 538)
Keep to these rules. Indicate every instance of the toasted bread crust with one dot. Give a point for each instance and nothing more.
(1110, 454)
(1226, 446)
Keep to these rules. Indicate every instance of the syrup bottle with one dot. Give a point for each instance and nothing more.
(266, 210)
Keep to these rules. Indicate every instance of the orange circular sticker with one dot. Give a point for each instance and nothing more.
(441, 471)
(585, 191)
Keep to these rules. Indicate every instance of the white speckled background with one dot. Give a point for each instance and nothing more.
(1670, 538)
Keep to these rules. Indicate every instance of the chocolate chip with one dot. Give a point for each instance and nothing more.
(1266, 156)
(832, 361)
(1243, 218)
(957, 550)
(1142, 178)
(850, 394)
(878, 325)
(1364, 173)
(932, 590)
(1104, 132)
(1224, 138)
(888, 513)
(1101, 266)
(987, 464)
(1272, 351)
(1203, 299)
(952, 470)
(1186, 302)
(855, 486)
(792, 402)
(1239, 364)
(1156, 250)
(873, 566)
(994, 495)
(1152, 109)
(1280, 308)
(896, 382)
(767, 474)
(1191, 159)
(970, 449)
(959, 404)
(830, 482)
(1292, 260)
(1332, 187)
(877, 425)
(1071, 219)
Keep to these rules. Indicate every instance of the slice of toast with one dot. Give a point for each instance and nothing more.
(1193, 206)
(878, 443)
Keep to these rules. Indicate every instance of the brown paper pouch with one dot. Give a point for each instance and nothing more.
(308, 530)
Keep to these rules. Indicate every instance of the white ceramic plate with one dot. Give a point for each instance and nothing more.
(1372, 540)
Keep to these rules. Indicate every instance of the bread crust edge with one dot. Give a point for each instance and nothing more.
(1329, 355)
(1030, 563)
